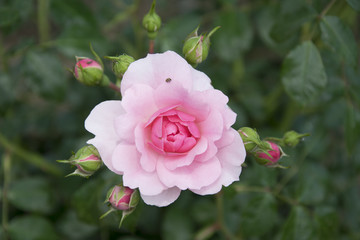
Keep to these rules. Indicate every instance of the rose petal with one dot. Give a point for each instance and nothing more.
(148, 157)
(125, 158)
(194, 176)
(100, 122)
(208, 154)
(234, 153)
(139, 102)
(201, 81)
(155, 69)
(212, 127)
(231, 157)
(163, 199)
(173, 162)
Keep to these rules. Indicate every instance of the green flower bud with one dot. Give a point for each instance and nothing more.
(292, 138)
(196, 48)
(121, 64)
(122, 198)
(250, 137)
(88, 71)
(152, 22)
(87, 161)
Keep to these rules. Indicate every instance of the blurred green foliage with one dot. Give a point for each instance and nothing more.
(284, 65)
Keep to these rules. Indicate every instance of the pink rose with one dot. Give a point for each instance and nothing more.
(170, 132)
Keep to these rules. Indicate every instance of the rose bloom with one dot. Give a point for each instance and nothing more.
(170, 132)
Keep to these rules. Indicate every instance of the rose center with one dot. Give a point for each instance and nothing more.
(172, 131)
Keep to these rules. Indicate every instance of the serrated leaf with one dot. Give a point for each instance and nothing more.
(31, 227)
(298, 226)
(340, 38)
(303, 73)
(355, 4)
(32, 194)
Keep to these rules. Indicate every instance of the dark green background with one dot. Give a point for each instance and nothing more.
(284, 64)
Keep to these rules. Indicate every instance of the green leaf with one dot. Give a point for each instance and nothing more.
(203, 211)
(259, 216)
(352, 128)
(303, 73)
(285, 27)
(8, 16)
(235, 35)
(265, 22)
(32, 194)
(73, 228)
(355, 4)
(46, 74)
(177, 225)
(311, 184)
(327, 220)
(298, 226)
(31, 227)
(340, 38)
(87, 200)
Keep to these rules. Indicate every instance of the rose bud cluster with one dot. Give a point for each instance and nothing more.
(265, 152)
(87, 161)
(196, 48)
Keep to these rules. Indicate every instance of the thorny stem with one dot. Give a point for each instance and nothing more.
(5, 205)
(220, 213)
(151, 46)
(114, 87)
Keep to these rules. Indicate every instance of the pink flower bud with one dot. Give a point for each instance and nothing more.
(275, 154)
(88, 71)
(123, 198)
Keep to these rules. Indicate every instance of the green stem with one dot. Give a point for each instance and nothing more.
(43, 21)
(220, 213)
(326, 9)
(5, 205)
(30, 157)
(2, 56)
(283, 198)
(291, 112)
